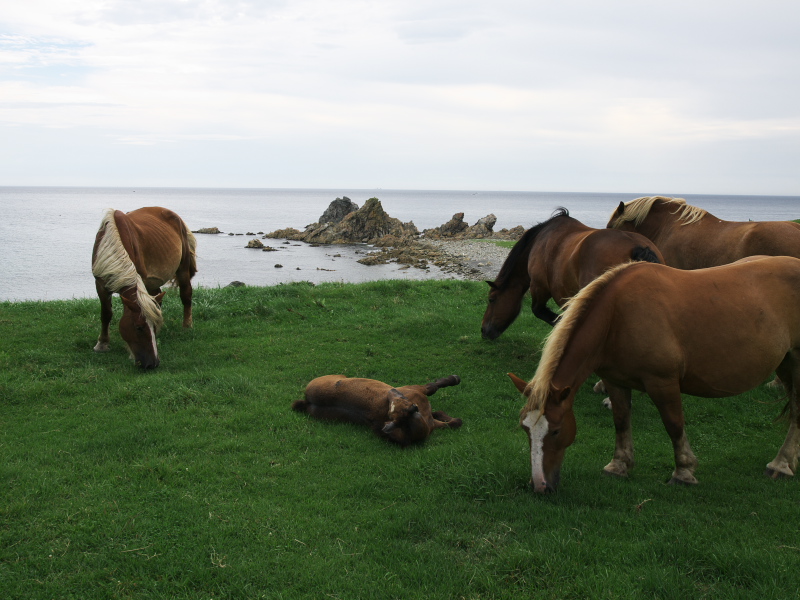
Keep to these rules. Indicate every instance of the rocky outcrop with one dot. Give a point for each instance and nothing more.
(208, 230)
(369, 224)
(457, 229)
(254, 243)
(483, 228)
(338, 210)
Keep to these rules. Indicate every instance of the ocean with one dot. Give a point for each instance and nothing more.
(47, 233)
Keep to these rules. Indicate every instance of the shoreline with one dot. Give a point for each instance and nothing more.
(473, 259)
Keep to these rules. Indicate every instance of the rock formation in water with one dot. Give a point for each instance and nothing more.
(369, 224)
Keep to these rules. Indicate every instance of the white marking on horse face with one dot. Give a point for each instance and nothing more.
(536, 425)
(153, 338)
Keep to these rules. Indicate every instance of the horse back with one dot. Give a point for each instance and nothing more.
(718, 331)
(162, 243)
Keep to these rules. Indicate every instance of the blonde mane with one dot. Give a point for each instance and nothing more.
(114, 266)
(638, 209)
(556, 343)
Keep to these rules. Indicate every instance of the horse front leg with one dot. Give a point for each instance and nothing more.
(668, 401)
(105, 316)
(539, 299)
(623, 451)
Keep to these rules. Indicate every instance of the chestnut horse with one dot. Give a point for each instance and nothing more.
(555, 259)
(401, 415)
(134, 255)
(692, 238)
(712, 333)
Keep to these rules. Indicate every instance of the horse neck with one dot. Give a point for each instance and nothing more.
(583, 350)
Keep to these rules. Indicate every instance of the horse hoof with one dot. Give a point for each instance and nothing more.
(599, 387)
(607, 403)
(618, 471)
(102, 347)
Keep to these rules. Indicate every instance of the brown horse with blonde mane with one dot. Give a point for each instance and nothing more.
(555, 259)
(692, 238)
(712, 333)
(134, 255)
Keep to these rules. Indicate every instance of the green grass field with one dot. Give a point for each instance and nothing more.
(196, 480)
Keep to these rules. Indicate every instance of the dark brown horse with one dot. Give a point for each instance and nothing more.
(134, 255)
(712, 333)
(692, 238)
(401, 415)
(555, 259)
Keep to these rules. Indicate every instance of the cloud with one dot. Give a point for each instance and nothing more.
(437, 81)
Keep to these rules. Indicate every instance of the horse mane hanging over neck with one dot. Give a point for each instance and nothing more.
(638, 209)
(556, 343)
(114, 266)
(520, 250)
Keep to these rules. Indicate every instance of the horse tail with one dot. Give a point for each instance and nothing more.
(300, 405)
(644, 254)
(191, 246)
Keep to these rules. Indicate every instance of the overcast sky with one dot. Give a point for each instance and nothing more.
(674, 97)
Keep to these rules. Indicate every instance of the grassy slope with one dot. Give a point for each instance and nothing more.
(197, 481)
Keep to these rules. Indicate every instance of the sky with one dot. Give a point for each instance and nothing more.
(668, 98)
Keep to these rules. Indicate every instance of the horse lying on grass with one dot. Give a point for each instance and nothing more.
(711, 333)
(401, 415)
(134, 255)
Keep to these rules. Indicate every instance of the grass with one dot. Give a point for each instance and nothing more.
(196, 480)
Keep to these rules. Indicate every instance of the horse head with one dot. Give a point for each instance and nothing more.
(401, 409)
(138, 332)
(550, 429)
(501, 311)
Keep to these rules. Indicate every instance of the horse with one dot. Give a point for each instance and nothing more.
(401, 415)
(712, 333)
(690, 237)
(134, 255)
(555, 259)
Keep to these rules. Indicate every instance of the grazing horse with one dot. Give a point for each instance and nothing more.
(134, 255)
(402, 415)
(555, 259)
(692, 238)
(712, 333)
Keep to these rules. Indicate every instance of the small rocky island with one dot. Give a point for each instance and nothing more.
(343, 222)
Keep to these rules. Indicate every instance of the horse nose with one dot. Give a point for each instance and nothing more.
(149, 363)
(489, 333)
(542, 487)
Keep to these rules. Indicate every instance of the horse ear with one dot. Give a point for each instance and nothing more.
(491, 284)
(519, 383)
(621, 209)
(559, 395)
(159, 298)
(131, 304)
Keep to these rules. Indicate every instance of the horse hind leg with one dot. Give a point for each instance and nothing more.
(785, 463)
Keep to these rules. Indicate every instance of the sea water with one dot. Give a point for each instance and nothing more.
(47, 234)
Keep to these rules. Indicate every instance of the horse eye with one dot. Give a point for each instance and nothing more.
(555, 433)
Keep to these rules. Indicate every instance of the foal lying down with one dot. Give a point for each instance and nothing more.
(402, 415)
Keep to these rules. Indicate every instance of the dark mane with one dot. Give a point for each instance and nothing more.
(520, 249)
